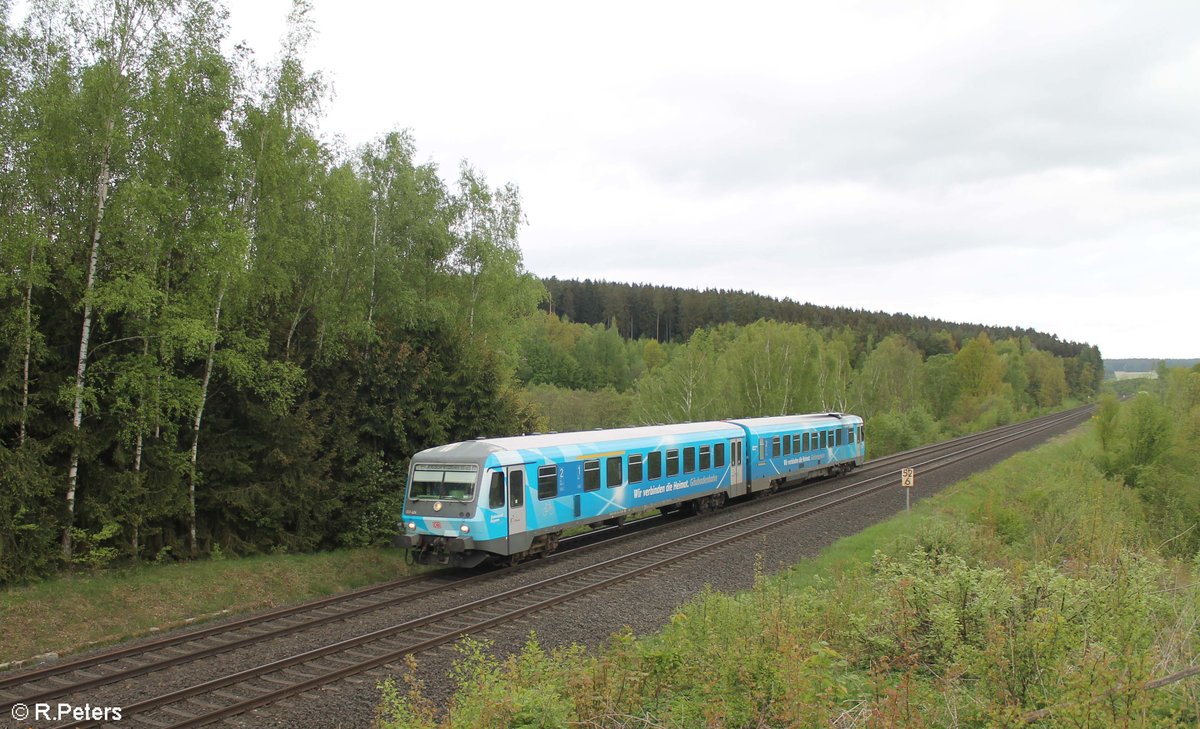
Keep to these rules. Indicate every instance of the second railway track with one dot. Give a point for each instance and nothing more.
(268, 682)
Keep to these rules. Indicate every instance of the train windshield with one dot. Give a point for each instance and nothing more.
(443, 481)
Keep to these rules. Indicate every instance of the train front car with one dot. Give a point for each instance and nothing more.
(451, 517)
(508, 499)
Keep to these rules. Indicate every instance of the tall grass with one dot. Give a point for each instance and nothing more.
(1042, 584)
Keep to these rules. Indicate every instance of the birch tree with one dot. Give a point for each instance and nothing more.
(774, 369)
(495, 286)
(690, 386)
(117, 36)
(890, 379)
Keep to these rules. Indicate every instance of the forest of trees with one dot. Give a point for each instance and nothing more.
(668, 313)
(220, 331)
(217, 328)
(580, 376)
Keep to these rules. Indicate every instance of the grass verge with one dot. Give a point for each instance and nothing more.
(70, 613)
(1040, 585)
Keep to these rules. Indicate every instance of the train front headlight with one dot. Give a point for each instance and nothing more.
(412, 526)
(464, 528)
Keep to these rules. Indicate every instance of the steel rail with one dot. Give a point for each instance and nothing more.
(658, 557)
(58, 669)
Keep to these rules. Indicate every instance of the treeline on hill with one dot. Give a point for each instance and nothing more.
(668, 313)
(582, 376)
(217, 329)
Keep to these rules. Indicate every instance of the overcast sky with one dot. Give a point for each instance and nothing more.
(1013, 163)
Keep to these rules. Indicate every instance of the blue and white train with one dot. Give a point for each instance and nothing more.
(506, 499)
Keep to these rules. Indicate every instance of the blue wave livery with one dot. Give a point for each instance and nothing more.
(506, 499)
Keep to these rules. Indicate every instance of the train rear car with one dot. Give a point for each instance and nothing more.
(794, 447)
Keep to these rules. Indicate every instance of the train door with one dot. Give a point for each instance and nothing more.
(737, 471)
(516, 500)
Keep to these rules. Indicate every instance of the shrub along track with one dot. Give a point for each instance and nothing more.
(236, 691)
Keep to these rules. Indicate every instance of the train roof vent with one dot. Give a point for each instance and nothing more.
(835, 415)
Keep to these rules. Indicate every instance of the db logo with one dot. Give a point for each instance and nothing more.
(437, 525)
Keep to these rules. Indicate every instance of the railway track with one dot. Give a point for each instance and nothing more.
(269, 682)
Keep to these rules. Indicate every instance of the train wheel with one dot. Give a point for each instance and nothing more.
(551, 544)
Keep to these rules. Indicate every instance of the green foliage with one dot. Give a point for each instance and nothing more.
(979, 368)
(275, 326)
(1105, 419)
(1155, 447)
(29, 519)
(577, 356)
(671, 314)
(941, 384)
(252, 288)
(1030, 587)
(891, 432)
(90, 550)
(690, 386)
(563, 410)
(890, 378)
(1047, 378)
(1146, 431)
(528, 690)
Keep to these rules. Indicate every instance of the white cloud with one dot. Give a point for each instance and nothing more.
(1029, 164)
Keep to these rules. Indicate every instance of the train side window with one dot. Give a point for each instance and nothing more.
(689, 460)
(762, 449)
(705, 457)
(614, 471)
(635, 468)
(719, 455)
(496, 494)
(673, 462)
(787, 445)
(516, 489)
(861, 434)
(775, 451)
(795, 443)
(547, 482)
(654, 465)
(591, 475)
(804, 443)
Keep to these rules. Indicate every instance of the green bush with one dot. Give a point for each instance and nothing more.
(1040, 585)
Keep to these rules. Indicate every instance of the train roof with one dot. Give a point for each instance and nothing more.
(783, 421)
(480, 448)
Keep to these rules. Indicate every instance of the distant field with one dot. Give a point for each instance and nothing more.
(1122, 375)
(1141, 365)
